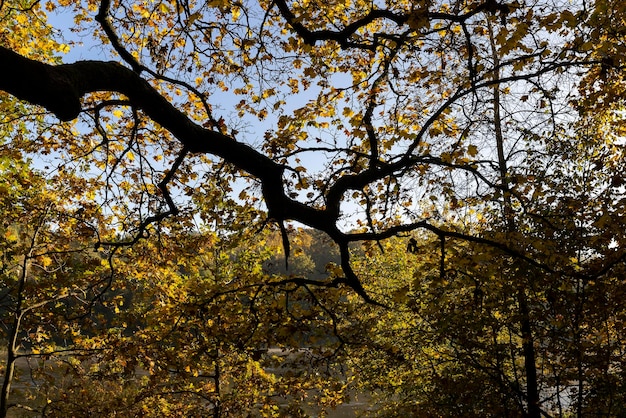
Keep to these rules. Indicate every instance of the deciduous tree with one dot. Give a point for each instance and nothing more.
(386, 98)
(467, 126)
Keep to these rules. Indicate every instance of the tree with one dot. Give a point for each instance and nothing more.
(364, 121)
(393, 92)
(488, 335)
(51, 277)
(202, 329)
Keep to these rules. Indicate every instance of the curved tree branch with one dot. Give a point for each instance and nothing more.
(60, 89)
(343, 36)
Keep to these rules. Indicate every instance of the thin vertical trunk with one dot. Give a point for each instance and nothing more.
(18, 314)
(501, 378)
(528, 346)
(12, 345)
(580, 296)
(528, 349)
(217, 410)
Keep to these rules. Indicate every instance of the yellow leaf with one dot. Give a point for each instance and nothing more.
(10, 235)
(46, 261)
(235, 12)
(21, 19)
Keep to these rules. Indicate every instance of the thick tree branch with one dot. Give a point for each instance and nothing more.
(344, 35)
(38, 83)
(60, 89)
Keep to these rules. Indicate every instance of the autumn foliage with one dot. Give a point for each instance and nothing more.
(280, 208)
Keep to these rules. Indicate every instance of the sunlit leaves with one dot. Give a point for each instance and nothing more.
(200, 321)
(497, 127)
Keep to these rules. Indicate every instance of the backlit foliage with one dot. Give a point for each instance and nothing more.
(159, 157)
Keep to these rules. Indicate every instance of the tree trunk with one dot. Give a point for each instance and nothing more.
(528, 348)
(12, 341)
(530, 368)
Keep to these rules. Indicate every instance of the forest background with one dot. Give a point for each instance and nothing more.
(272, 208)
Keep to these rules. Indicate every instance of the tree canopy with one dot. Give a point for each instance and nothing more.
(475, 145)
(389, 100)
